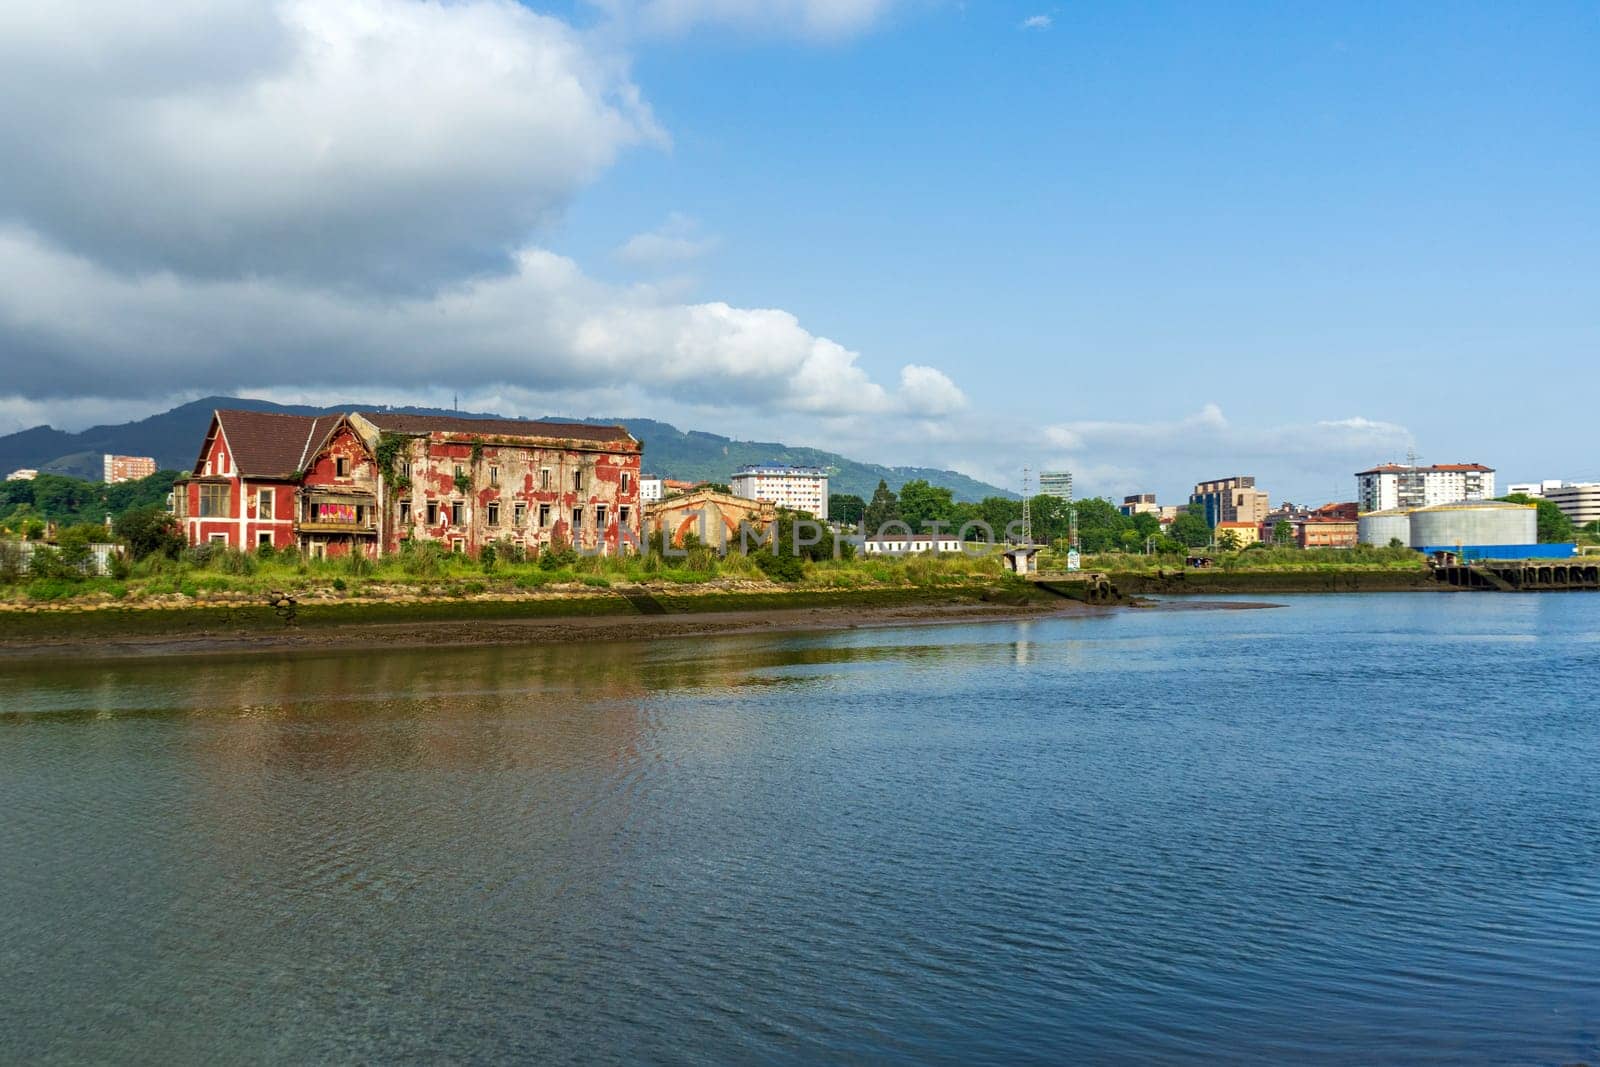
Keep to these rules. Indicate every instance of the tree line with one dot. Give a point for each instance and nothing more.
(1101, 527)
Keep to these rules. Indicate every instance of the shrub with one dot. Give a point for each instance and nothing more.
(780, 568)
(230, 561)
(596, 580)
(421, 559)
(11, 567)
(338, 584)
(52, 589)
(358, 564)
(149, 531)
(557, 555)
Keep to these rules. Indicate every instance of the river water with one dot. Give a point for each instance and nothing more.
(1352, 829)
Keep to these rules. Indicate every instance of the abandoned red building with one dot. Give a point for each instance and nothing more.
(368, 481)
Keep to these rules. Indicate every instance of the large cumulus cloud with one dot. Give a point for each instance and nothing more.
(226, 195)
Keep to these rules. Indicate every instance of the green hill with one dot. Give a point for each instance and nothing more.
(173, 438)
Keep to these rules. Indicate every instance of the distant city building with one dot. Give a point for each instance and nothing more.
(1393, 485)
(1145, 504)
(128, 468)
(1580, 503)
(1333, 525)
(1056, 483)
(1245, 533)
(22, 474)
(1533, 488)
(795, 488)
(649, 489)
(1231, 500)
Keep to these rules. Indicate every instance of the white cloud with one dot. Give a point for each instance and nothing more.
(80, 329)
(673, 243)
(364, 142)
(817, 19)
(243, 196)
(1313, 459)
(1036, 22)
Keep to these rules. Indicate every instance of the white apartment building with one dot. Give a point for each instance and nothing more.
(795, 488)
(1395, 486)
(649, 489)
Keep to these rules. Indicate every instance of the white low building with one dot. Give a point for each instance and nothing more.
(896, 544)
(649, 489)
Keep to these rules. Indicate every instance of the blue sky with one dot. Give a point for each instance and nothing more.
(1154, 244)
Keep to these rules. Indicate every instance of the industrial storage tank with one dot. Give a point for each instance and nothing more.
(1474, 524)
(1378, 528)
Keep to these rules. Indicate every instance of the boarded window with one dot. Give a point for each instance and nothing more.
(216, 502)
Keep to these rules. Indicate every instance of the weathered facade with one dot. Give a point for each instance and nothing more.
(369, 482)
(472, 482)
(711, 516)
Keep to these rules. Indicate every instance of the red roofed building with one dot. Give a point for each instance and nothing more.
(367, 482)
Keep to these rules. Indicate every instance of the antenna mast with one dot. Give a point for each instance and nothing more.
(1027, 508)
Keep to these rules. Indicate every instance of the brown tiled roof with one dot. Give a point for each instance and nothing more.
(421, 424)
(267, 444)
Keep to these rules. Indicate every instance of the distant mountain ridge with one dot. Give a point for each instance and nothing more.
(173, 438)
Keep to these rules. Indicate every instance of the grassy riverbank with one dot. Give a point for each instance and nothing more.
(229, 592)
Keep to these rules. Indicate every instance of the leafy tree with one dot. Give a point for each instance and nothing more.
(149, 531)
(883, 508)
(922, 503)
(1191, 529)
(1282, 533)
(998, 512)
(1145, 525)
(1101, 526)
(846, 508)
(1229, 541)
(1554, 525)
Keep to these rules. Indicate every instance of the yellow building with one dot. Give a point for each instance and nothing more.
(1246, 533)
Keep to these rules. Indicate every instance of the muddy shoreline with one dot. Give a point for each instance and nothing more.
(470, 632)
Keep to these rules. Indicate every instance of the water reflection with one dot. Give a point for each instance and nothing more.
(1169, 837)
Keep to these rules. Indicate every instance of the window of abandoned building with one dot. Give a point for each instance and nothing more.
(519, 514)
(433, 513)
(264, 504)
(577, 519)
(494, 513)
(405, 511)
(494, 475)
(216, 502)
(600, 517)
(341, 467)
(544, 477)
(455, 513)
(577, 481)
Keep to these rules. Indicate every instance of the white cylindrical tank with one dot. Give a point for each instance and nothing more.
(1490, 522)
(1378, 528)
